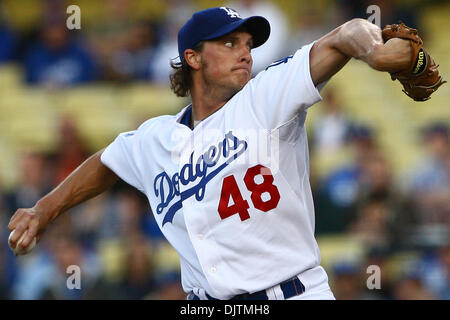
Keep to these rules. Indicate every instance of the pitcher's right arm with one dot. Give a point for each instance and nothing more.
(90, 179)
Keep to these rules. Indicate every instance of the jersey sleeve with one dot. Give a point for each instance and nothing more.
(120, 157)
(279, 93)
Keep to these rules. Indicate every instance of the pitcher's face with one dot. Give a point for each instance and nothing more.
(227, 61)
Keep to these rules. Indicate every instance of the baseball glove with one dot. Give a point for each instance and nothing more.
(422, 77)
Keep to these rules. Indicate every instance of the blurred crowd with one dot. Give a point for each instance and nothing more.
(121, 46)
(114, 237)
(387, 213)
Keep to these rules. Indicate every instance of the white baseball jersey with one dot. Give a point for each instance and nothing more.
(232, 195)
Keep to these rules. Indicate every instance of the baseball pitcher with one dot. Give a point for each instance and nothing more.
(227, 178)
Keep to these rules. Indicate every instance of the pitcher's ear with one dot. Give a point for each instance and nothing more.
(193, 58)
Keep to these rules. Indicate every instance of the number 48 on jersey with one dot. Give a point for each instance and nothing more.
(240, 206)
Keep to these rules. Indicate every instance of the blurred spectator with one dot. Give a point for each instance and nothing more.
(313, 22)
(70, 151)
(117, 20)
(376, 176)
(337, 194)
(131, 59)
(131, 212)
(435, 271)
(410, 287)
(275, 48)
(109, 36)
(7, 263)
(33, 276)
(56, 59)
(167, 49)
(4, 290)
(88, 218)
(45, 275)
(371, 225)
(343, 184)
(137, 279)
(429, 186)
(7, 42)
(4, 262)
(347, 282)
(128, 212)
(168, 287)
(330, 130)
(136, 272)
(380, 219)
(33, 184)
(68, 252)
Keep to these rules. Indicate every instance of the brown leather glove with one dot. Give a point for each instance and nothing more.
(422, 77)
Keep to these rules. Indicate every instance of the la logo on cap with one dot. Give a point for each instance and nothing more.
(232, 13)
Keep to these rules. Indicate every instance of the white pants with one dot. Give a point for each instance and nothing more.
(316, 285)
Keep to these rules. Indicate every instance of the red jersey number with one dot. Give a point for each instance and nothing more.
(230, 189)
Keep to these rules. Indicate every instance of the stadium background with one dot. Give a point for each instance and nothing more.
(380, 163)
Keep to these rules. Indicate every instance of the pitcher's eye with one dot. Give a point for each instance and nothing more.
(229, 44)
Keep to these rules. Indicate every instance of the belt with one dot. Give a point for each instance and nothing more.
(290, 288)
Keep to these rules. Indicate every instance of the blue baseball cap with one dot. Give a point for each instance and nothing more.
(214, 23)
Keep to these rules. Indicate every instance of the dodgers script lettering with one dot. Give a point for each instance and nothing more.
(167, 187)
